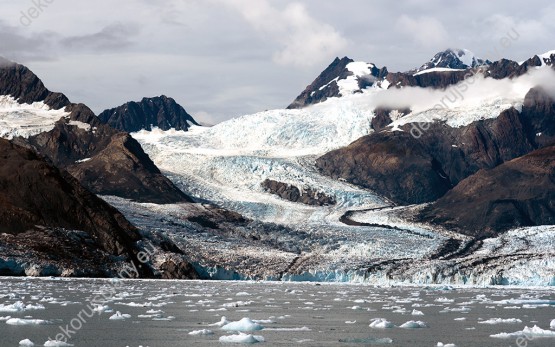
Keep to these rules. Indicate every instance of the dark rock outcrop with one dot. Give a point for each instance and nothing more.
(520, 192)
(35, 195)
(538, 115)
(382, 117)
(307, 196)
(21, 83)
(393, 164)
(123, 169)
(161, 112)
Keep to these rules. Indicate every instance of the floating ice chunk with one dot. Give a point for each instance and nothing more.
(350, 322)
(26, 343)
(201, 332)
(381, 323)
(413, 325)
(245, 324)
(461, 318)
(102, 308)
(535, 331)
(15, 307)
(20, 321)
(241, 338)
(242, 294)
(441, 344)
(493, 321)
(552, 324)
(221, 323)
(3, 319)
(120, 316)
(56, 343)
(417, 313)
(444, 299)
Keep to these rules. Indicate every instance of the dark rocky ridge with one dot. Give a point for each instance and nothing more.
(35, 195)
(161, 112)
(21, 83)
(292, 193)
(520, 192)
(130, 173)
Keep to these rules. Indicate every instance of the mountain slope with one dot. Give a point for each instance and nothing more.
(161, 112)
(73, 135)
(520, 192)
(35, 195)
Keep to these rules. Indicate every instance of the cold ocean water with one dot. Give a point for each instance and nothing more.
(190, 313)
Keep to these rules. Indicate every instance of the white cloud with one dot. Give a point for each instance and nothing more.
(303, 40)
(424, 30)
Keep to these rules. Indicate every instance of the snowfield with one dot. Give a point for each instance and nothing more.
(26, 120)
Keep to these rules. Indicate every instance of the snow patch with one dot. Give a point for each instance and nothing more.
(26, 120)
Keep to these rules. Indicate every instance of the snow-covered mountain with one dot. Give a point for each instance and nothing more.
(452, 59)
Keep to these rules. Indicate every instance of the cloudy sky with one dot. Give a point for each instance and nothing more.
(224, 58)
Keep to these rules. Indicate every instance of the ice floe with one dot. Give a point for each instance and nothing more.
(245, 324)
(381, 323)
(201, 332)
(120, 316)
(413, 325)
(535, 331)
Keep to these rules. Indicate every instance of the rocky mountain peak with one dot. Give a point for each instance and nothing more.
(162, 112)
(454, 58)
(342, 77)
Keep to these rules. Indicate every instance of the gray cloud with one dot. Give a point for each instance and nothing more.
(223, 58)
(111, 38)
(17, 46)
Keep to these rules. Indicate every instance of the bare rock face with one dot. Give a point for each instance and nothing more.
(314, 93)
(123, 169)
(305, 196)
(393, 164)
(35, 194)
(21, 83)
(538, 113)
(520, 192)
(161, 112)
